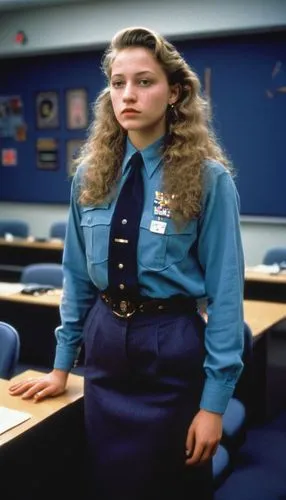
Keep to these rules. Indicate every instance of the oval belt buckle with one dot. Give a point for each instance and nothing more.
(126, 309)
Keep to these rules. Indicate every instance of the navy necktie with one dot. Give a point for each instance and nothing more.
(124, 232)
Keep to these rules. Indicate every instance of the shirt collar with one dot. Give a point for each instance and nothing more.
(152, 155)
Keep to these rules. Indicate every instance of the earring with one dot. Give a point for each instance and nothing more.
(173, 112)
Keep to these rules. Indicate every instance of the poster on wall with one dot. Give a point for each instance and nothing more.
(77, 109)
(73, 147)
(47, 154)
(47, 110)
(11, 116)
(9, 157)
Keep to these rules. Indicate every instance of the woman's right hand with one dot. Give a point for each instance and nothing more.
(51, 384)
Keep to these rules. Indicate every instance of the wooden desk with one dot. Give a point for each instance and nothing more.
(16, 254)
(265, 278)
(260, 384)
(265, 287)
(40, 456)
(261, 316)
(268, 373)
(39, 411)
(37, 317)
(49, 299)
(31, 243)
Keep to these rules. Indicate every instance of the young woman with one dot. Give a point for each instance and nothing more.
(157, 379)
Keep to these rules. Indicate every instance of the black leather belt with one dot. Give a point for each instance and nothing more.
(125, 308)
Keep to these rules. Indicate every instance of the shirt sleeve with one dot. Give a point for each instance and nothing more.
(79, 293)
(221, 257)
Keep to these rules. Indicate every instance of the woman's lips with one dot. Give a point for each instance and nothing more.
(130, 111)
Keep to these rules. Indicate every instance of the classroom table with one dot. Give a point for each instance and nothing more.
(20, 252)
(260, 277)
(30, 242)
(261, 316)
(268, 372)
(39, 412)
(36, 318)
(40, 456)
(49, 299)
(262, 286)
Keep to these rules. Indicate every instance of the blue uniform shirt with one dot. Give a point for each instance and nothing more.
(205, 259)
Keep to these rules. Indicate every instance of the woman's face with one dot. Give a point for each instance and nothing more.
(140, 94)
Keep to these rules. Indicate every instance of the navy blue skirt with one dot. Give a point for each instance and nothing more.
(143, 383)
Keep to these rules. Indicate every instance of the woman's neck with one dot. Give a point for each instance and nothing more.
(141, 141)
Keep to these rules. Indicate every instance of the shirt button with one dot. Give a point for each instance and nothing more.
(124, 221)
(121, 286)
(120, 266)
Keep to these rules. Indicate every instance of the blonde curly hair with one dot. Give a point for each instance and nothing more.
(189, 137)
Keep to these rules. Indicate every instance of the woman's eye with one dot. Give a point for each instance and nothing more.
(117, 84)
(144, 82)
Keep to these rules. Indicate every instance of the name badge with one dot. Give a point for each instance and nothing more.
(161, 205)
(158, 226)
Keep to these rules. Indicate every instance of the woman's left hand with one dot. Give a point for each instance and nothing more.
(203, 437)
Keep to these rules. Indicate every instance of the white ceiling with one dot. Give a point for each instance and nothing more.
(22, 4)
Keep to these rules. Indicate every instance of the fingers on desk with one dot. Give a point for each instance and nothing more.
(33, 388)
(27, 388)
(21, 384)
(43, 393)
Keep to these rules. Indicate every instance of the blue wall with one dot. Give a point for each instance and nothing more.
(26, 77)
(250, 124)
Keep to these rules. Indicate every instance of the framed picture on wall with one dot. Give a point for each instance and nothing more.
(47, 110)
(73, 147)
(76, 109)
(9, 157)
(47, 153)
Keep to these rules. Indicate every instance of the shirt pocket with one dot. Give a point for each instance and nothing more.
(160, 251)
(95, 223)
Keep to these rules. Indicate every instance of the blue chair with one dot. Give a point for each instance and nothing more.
(236, 415)
(9, 350)
(234, 431)
(235, 418)
(43, 274)
(16, 227)
(58, 230)
(275, 255)
(222, 466)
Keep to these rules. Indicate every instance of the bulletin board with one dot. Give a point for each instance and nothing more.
(243, 76)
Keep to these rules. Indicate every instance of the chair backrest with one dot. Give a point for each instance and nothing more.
(16, 227)
(58, 230)
(9, 350)
(275, 255)
(43, 274)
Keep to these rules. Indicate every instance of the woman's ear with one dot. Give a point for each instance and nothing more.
(175, 92)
